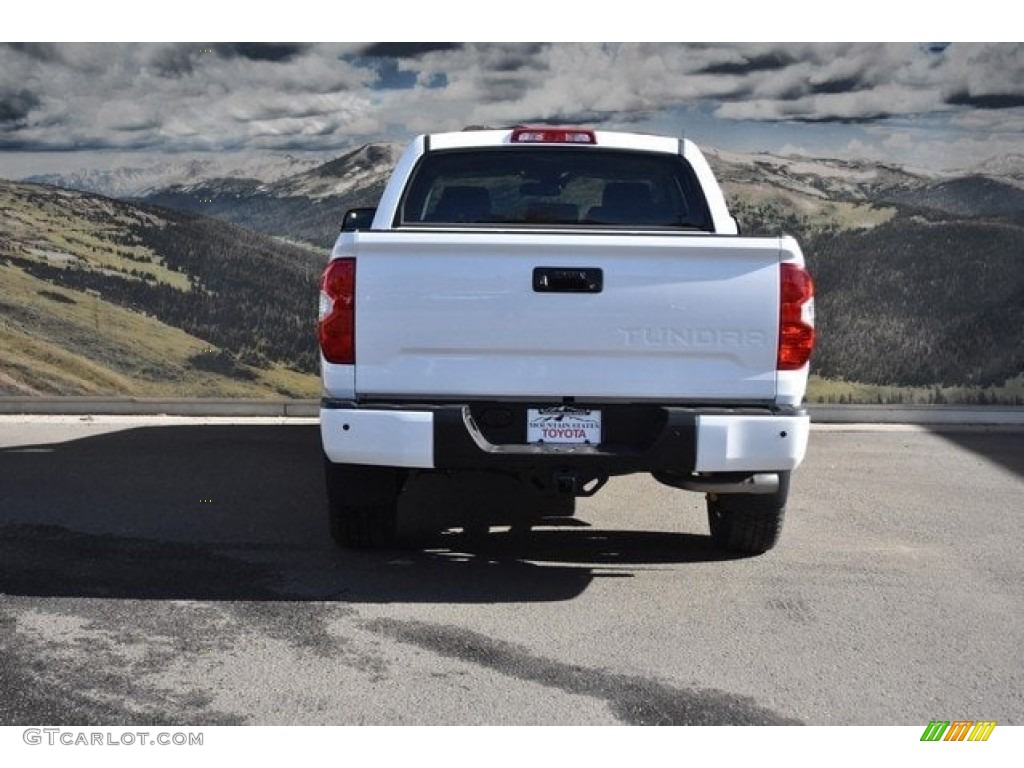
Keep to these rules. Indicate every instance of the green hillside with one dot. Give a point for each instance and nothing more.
(913, 304)
(101, 297)
(922, 301)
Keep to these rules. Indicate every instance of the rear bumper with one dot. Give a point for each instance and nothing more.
(649, 439)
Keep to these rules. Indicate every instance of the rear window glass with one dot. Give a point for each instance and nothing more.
(554, 186)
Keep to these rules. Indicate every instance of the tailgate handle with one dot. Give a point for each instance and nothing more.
(568, 280)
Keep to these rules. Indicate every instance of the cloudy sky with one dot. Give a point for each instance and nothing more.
(934, 105)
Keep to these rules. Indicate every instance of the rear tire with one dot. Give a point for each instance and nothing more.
(362, 504)
(748, 524)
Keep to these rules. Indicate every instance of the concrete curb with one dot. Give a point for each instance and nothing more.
(930, 415)
(924, 415)
(154, 406)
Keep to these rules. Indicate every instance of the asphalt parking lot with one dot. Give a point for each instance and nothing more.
(161, 571)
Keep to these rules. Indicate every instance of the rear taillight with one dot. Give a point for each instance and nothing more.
(796, 318)
(337, 326)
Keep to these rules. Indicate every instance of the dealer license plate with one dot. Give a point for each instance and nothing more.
(563, 424)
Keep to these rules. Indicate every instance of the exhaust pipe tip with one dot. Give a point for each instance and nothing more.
(752, 483)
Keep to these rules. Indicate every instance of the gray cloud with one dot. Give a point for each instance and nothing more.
(260, 51)
(174, 61)
(226, 96)
(15, 107)
(504, 88)
(839, 85)
(407, 50)
(744, 65)
(515, 58)
(984, 76)
(38, 51)
(987, 100)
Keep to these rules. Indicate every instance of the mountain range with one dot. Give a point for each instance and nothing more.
(920, 275)
(283, 197)
(142, 180)
(303, 199)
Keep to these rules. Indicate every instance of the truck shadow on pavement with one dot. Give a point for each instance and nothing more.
(236, 512)
(1005, 448)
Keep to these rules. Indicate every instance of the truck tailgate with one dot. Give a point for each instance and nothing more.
(467, 315)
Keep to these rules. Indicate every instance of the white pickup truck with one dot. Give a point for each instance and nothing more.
(562, 305)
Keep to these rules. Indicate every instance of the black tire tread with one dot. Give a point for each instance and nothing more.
(748, 524)
(360, 517)
(742, 531)
(359, 527)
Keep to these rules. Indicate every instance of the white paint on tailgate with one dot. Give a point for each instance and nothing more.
(454, 314)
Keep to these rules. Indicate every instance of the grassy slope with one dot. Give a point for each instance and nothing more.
(55, 340)
(838, 391)
(762, 206)
(56, 226)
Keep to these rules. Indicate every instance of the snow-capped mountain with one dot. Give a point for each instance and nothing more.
(817, 177)
(304, 199)
(306, 206)
(1008, 168)
(367, 166)
(139, 181)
